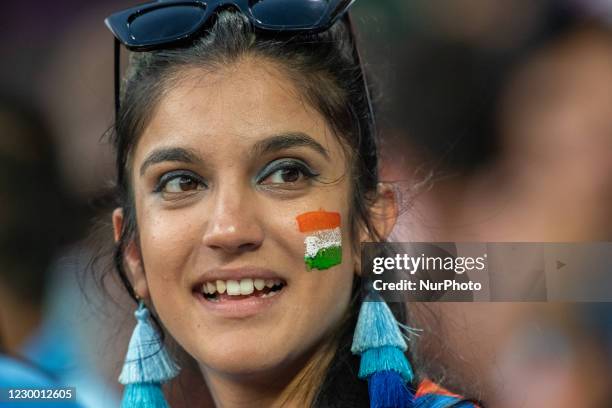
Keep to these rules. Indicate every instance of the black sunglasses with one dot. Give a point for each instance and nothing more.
(166, 23)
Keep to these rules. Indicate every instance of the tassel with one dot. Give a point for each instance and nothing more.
(387, 389)
(147, 365)
(143, 395)
(381, 344)
(376, 327)
(385, 359)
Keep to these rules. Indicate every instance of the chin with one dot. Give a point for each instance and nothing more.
(243, 359)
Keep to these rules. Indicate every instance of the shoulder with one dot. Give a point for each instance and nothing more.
(14, 373)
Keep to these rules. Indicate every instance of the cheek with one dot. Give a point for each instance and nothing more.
(334, 284)
(166, 240)
(327, 297)
(327, 278)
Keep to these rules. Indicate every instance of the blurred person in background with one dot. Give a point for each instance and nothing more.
(17, 374)
(511, 120)
(554, 355)
(38, 222)
(34, 224)
(513, 127)
(443, 106)
(553, 180)
(552, 183)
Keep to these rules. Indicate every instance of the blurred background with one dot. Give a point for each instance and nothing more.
(496, 125)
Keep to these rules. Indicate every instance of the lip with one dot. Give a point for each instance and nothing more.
(239, 308)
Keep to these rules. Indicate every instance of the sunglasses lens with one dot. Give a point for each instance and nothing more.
(291, 13)
(166, 23)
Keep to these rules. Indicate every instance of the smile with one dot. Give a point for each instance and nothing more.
(230, 290)
(240, 292)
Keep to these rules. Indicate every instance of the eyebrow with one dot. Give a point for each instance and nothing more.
(267, 146)
(286, 141)
(172, 154)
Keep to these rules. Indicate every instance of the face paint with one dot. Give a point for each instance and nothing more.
(324, 241)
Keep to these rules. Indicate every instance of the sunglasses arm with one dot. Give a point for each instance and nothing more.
(117, 76)
(359, 60)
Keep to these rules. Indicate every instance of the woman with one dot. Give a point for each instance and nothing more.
(247, 178)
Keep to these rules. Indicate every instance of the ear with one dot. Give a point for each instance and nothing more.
(383, 214)
(132, 258)
(385, 210)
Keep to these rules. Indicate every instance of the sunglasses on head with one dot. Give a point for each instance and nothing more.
(160, 23)
(167, 23)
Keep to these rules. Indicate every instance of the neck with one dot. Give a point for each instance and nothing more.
(288, 386)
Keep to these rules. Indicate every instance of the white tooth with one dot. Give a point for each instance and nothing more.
(277, 282)
(221, 286)
(212, 288)
(246, 286)
(233, 287)
(269, 283)
(204, 288)
(266, 295)
(259, 284)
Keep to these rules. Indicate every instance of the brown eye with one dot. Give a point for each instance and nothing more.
(286, 175)
(290, 175)
(182, 184)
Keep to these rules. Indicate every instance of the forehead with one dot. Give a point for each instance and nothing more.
(239, 103)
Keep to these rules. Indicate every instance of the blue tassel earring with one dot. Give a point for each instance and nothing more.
(381, 344)
(147, 365)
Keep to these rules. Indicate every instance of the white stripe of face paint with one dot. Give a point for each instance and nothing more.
(322, 239)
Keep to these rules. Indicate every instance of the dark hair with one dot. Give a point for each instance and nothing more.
(326, 70)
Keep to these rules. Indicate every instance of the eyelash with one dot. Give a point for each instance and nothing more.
(287, 164)
(269, 170)
(173, 175)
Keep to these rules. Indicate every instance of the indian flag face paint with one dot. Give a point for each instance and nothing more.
(324, 240)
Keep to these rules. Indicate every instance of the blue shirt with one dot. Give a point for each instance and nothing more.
(16, 374)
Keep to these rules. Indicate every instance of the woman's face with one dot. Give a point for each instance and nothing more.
(227, 163)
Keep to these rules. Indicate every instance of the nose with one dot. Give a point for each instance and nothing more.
(233, 225)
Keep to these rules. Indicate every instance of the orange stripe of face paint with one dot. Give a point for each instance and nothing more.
(318, 220)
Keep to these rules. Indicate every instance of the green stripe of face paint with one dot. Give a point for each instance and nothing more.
(325, 258)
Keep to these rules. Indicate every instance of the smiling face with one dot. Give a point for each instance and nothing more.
(225, 166)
